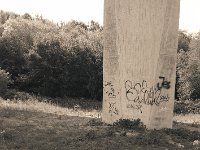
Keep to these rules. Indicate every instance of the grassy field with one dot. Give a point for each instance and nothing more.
(39, 125)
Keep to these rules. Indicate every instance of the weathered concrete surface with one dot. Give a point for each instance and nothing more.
(140, 60)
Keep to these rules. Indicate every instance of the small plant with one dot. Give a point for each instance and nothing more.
(95, 122)
(130, 124)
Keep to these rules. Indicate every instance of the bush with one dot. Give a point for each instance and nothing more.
(193, 72)
(130, 124)
(188, 71)
(53, 60)
(183, 89)
(4, 81)
(185, 107)
(57, 72)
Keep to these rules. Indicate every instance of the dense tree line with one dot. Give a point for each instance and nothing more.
(42, 57)
(188, 67)
(50, 59)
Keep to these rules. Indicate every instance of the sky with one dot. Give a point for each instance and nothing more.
(87, 10)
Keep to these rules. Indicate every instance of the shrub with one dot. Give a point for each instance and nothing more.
(180, 107)
(194, 69)
(95, 122)
(185, 107)
(53, 60)
(4, 81)
(183, 88)
(57, 72)
(130, 124)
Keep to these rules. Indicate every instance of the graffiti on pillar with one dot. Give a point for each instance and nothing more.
(141, 93)
(135, 106)
(110, 90)
(164, 84)
(111, 93)
(113, 109)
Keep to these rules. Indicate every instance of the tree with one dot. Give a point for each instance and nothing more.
(94, 26)
(183, 88)
(27, 16)
(4, 16)
(194, 67)
(184, 40)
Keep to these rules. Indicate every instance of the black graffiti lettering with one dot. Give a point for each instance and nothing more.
(112, 108)
(165, 84)
(141, 93)
(108, 84)
(164, 98)
(109, 90)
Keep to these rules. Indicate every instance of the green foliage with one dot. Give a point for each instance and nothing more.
(186, 107)
(188, 71)
(15, 43)
(95, 122)
(194, 69)
(184, 40)
(60, 72)
(4, 16)
(53, 60)
(183, 89)
(4, 81)
(67, 59)
(194, 80)
(130, 124)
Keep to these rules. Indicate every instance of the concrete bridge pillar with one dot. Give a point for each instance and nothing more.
(140, 46)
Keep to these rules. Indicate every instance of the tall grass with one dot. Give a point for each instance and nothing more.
(47, 107)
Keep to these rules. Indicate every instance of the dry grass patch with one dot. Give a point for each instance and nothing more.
(188, 118)
(40, 124)
(48, 107)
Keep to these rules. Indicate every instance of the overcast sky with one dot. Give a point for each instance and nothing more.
(87, 10)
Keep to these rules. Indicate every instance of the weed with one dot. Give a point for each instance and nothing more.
(95, 122)
(130, 124)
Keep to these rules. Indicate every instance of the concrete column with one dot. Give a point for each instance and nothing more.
(140, 46)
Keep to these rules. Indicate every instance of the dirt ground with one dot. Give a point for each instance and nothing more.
(26, 130)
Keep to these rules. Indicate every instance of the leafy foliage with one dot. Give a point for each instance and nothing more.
(183, 89)
(4, 81)
(187, 107)
(51, 59)
(194, 70)
(184, 40)
(188, 71)
(67, 59)
(130, 124)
